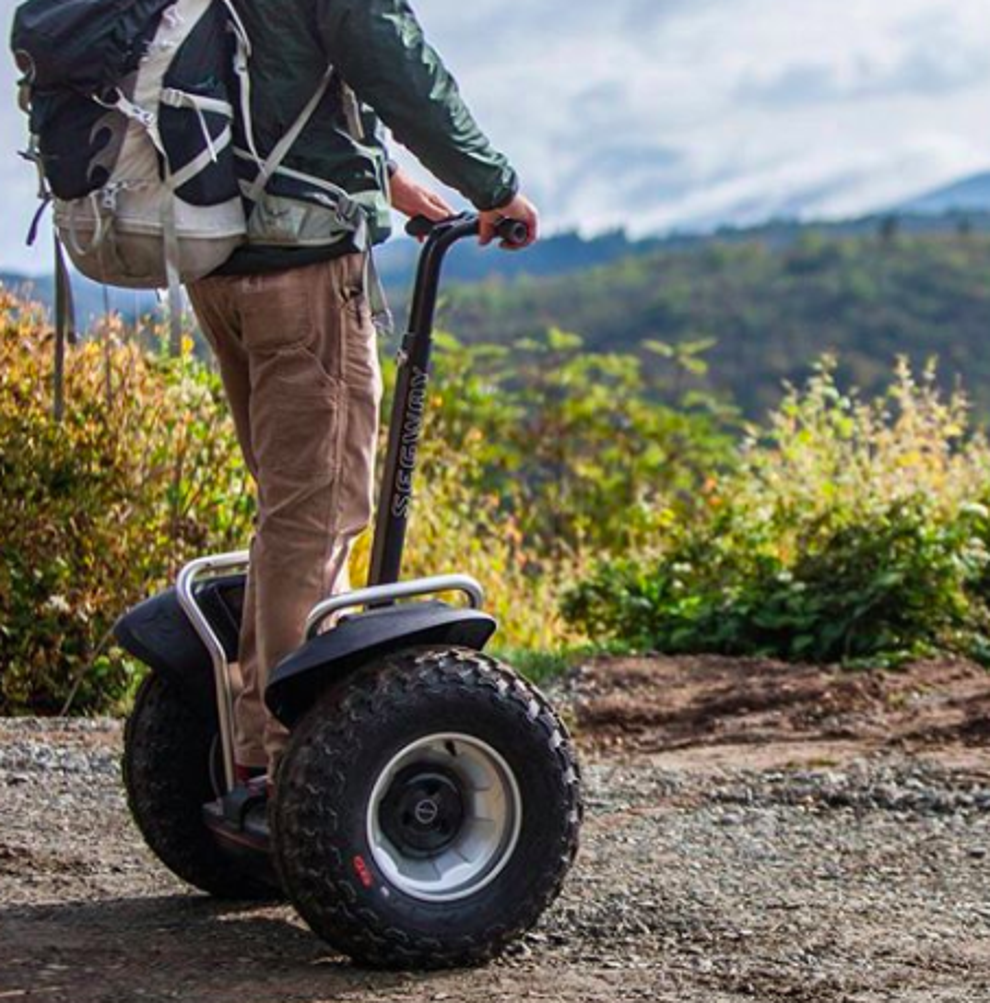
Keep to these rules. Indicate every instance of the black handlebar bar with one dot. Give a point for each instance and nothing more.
(513, 232)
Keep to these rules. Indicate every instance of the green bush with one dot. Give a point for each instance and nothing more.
(99, 509)
(577, 448)
(144, 472)
(851, 531)
(536, 456)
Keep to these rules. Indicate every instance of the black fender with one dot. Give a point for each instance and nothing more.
(158, 633)
(298, 681)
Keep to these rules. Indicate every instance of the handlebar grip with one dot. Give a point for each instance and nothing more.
(513, 232)
(420, 227)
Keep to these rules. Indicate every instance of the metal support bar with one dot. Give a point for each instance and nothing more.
(384, 594)
(409, 405)
(184, 587)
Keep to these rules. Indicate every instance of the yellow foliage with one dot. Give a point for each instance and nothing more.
(143, 473)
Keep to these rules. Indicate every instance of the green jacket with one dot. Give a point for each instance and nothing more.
(378, 50)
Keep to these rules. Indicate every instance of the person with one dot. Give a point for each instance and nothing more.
(291, 326)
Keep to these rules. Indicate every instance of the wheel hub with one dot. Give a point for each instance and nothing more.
(444, 817)
(423, 811)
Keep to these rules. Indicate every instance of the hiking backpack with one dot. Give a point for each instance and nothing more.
(134, 107)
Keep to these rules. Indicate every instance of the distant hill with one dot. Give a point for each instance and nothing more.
(557, 255)
(567, 253)
(968, 195)
(90, 298)
(772, 305)
(561, 254)
(774, 297)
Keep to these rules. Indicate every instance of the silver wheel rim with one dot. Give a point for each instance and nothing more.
(486, 838)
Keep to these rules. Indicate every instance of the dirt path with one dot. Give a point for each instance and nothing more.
(650, 705)
(743, 852)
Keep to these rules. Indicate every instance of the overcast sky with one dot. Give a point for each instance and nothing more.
(651, 114)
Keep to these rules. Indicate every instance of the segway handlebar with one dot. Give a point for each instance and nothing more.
(513, 231)
(438, 238)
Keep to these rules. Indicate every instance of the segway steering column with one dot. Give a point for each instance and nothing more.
(409, 407)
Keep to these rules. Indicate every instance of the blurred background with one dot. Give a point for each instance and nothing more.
(653, 115)
(643, 125)
(645, 431)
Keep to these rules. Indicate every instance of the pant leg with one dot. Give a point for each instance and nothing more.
(314, 406)
(216, 303)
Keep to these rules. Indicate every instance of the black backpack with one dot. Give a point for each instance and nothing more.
(131, 111)
(134, 106)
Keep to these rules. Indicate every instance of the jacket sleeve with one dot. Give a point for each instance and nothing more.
(379, 49)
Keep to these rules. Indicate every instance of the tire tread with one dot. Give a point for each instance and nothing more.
(166, 775)
(303, 832)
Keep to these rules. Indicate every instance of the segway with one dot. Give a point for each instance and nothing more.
(427, 807)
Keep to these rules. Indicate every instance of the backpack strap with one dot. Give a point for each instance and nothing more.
(170, 233)
(65, 308)
(65, 328)
(212, 147)
(381, 312)
(242, 60)
(352, 113)
(347, 209)
(285, 144)
(173, 261)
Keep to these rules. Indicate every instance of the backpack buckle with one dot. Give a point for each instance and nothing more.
(349, 212)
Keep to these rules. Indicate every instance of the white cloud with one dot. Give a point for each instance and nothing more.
(750, 106)
(660, 113)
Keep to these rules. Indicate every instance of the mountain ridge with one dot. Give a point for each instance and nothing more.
(965, 202)
(968, 194)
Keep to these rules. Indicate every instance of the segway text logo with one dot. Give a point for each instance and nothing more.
(411, 430)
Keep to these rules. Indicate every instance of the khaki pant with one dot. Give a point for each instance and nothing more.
(298, 356)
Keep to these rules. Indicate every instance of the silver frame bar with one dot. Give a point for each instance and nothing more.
(380, 594)
(208, 567)
(192, 573)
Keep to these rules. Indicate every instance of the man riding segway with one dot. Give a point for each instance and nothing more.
(292, 327)
(416, 800)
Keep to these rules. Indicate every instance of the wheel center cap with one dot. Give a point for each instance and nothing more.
(423, 811)
(427, 811)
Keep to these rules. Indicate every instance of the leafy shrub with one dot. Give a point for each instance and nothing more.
(144, 472)
(576, 448)
(535, 455)
(850, 531)
(97, 510)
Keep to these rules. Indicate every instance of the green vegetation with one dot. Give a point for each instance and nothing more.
(772, 308)
(142, 474)
(851, 531)
(602, 491)
(101, 510)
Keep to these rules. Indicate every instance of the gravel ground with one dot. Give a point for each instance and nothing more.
(699, 880)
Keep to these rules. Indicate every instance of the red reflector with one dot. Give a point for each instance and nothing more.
(361, 870)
